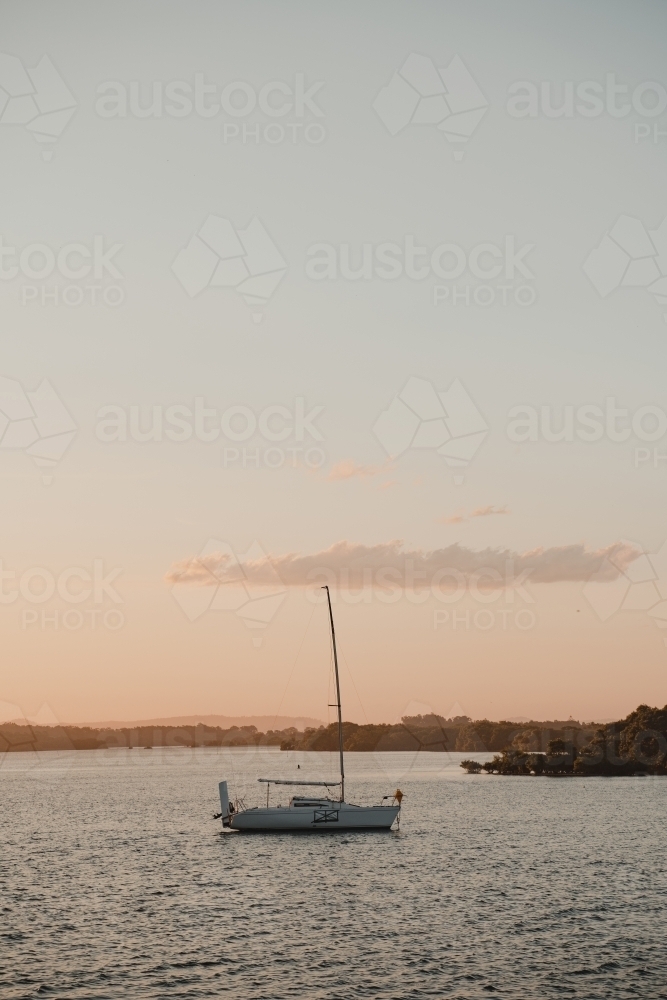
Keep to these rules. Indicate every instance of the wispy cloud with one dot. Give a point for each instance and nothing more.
(353, 565)
(348, 469)
(477, 512)
(488, 511)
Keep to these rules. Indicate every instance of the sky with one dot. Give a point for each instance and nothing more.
(367, 295)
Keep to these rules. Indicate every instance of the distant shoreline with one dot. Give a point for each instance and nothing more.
(634, 745)
(430, 733)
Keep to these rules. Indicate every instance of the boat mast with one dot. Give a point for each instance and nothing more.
(338, 705)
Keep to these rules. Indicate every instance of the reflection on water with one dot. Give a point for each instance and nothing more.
(115, 882)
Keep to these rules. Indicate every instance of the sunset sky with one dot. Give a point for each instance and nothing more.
(358, 431)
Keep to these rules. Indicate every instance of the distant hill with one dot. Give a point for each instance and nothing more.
(261, 722)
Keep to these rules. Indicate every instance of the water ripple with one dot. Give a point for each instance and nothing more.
(115, 883)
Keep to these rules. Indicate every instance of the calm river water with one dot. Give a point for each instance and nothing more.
(116, 883)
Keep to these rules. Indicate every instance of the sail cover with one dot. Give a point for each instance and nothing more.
(287, 781)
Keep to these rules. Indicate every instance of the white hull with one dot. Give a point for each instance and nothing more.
(323, 816)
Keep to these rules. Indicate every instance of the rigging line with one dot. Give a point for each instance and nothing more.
(355, 688)
(342, 650)
(294, 664)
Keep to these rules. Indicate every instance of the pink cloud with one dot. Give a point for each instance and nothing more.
(488, 511)
(477, 512)
(347, 469)
(352, 565)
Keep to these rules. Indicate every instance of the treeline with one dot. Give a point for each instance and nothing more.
(437, 734)
(432, 733)
(18, 737)
(634, 745)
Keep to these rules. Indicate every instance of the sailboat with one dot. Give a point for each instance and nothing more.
(318, 812)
